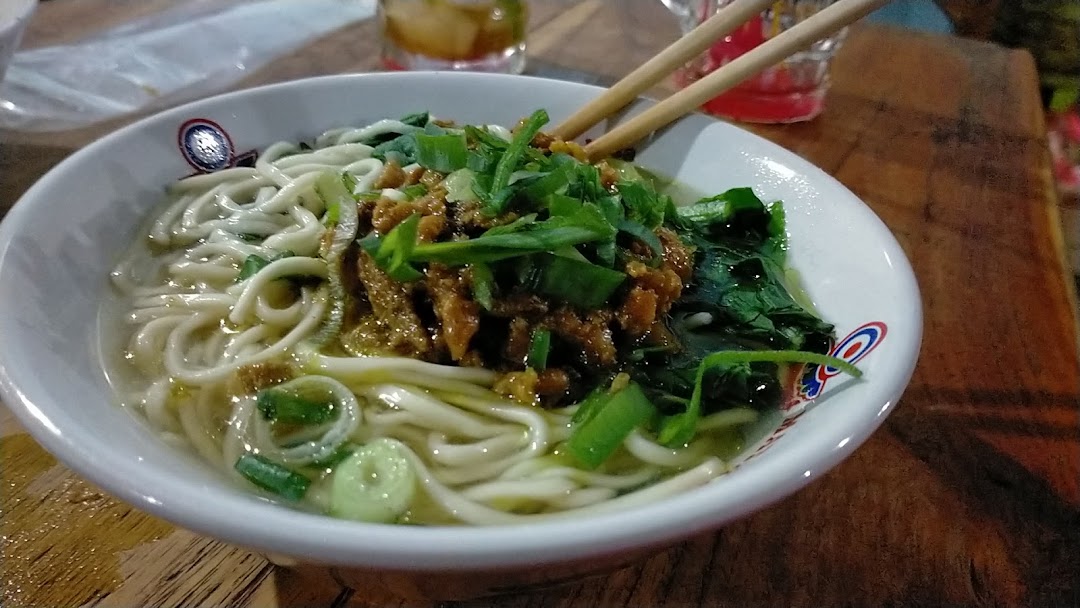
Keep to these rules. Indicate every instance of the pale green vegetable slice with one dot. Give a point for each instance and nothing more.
(375, 484)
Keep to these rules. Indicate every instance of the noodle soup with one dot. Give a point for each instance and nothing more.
(419, 322)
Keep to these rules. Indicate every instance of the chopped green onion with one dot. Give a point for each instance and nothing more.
(539, 347)
(593, 441)
(280, 405)
(459, 186)
(394, 250)
(272, 477)
(679, 429)
(330, 186)
(337, 457)
(368, 195)
(509, 161)
(350, 181)
(442, 153)
(333, 213)
(590, 405)
(483, 285)
(571, 211)
(414, 191)
(531, 238)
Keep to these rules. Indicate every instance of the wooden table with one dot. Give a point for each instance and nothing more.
(968, 496)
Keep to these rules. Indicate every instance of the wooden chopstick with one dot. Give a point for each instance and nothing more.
(653, 71)
(818, 26)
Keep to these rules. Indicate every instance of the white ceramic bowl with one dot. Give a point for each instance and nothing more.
(60, 240)
(14, 15)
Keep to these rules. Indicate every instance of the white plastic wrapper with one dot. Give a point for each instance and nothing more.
(195, 48)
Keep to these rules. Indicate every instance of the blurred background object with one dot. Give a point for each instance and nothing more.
(188, 50)
(14, 15)
(923, 15)
(793, 90)
(474, 35)
(1050, 29)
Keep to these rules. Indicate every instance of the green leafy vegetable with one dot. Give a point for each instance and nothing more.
(530, 238)
(442, 153)
(735, 213)
(418, 119)
(401, 148)
(643, 234)
(679, 429)
(252, 265)
(272, 477)
(576, 282)
(413, 123)
(643, 205)
(255, 262)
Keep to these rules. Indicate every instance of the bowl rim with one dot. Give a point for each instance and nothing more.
(275, 529)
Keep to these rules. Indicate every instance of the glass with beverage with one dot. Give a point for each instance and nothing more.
(474, 35)
(791, 91)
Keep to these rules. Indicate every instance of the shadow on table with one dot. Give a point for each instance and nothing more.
(1042, 527)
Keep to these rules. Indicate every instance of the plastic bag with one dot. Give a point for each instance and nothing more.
(193, 49)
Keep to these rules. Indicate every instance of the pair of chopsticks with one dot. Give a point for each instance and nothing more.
(820, 25)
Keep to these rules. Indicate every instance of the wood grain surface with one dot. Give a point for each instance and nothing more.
(968, 496)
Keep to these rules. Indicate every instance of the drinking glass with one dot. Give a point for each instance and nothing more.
(472, 35)
(791, 91)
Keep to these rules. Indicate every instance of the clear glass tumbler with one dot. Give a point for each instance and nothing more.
(791, 91)
(471, 35)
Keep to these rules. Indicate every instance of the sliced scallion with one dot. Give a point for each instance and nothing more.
(280, 405)
(414, 191)
(376, 483)
(272, 477)
(595, 440)
(509, 161)
(483, 285)
(539, 346)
